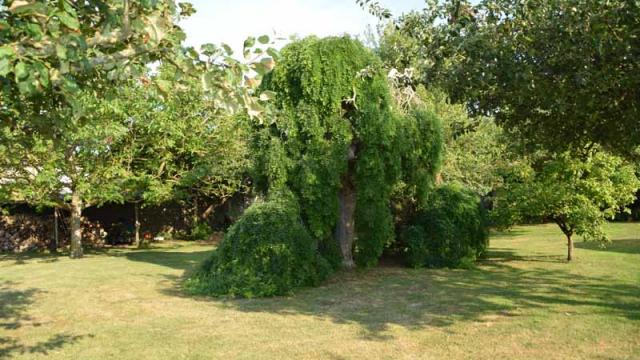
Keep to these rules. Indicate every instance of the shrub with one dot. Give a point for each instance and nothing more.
(201, 231)
(450, 230)
(266, 252)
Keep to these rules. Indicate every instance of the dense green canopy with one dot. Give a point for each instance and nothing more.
(560, 74)
(336, 138)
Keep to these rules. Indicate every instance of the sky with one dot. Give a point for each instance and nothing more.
(232, 21)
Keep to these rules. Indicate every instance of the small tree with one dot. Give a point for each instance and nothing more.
(576, 194)
(70, 166)
(180, 147)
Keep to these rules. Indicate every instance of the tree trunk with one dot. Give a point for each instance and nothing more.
(54, 245)
(136, 215)
(76, 226)
(346, 229)
(567, 230)
(196, 218)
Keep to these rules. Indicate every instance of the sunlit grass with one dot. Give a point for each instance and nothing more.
(523, 302)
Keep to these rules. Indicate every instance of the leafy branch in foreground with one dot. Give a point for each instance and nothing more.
(54, 49)
(375, 9)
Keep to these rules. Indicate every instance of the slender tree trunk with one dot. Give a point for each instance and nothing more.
(569, 248)
(136, 215)
(76, 226)
(54, 246)
(196, 218)
(568, 232)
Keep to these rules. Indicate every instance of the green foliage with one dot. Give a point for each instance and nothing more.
(451, 230)
(420, 142)
(577, 192)
(203, 154)
(375, 9)
(201, 231)
(44, 165)
(559, 73)
(332, 95)
(267, 252)
(475, 149)
(54, 49)
(421, 147)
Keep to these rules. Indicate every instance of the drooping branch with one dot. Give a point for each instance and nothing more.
(375, 9)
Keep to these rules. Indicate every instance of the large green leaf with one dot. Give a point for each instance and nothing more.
(6, 51)
(5, 66)
(68, 20)
(21, 71)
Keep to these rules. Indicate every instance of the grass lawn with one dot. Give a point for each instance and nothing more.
(523, 302)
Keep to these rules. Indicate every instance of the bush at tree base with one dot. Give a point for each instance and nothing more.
(267, 252)
(449, 231)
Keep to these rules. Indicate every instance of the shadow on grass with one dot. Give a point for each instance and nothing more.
(47, 257)
(504, 255)
(173, 259)
(378, 298)
(15, 304)
(438, 298)
(21, 259)
(163, 253)
(627, 246)
(507, 233)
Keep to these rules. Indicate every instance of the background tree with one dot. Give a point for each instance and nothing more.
(70, 166)
(181, 147)
(475, 148)
(557, 73)
(576, 194)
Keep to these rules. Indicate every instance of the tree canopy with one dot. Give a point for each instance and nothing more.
(558, 73)
(71, 137)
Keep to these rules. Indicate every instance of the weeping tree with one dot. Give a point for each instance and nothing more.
(336, 141)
